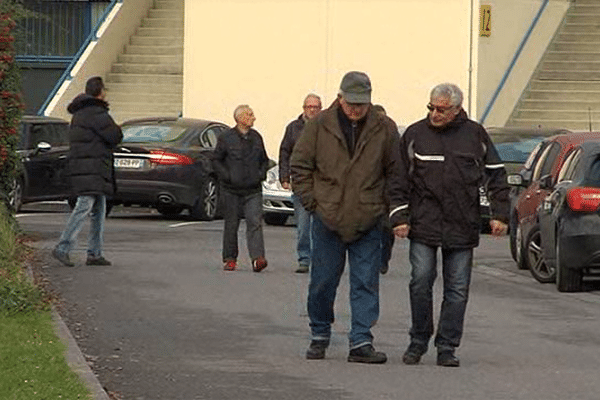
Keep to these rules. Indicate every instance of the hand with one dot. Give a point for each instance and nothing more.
(499, 228)
(401, 231)
(286, 185)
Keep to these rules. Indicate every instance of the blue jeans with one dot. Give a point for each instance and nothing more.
(95, 206)
(303, 219)
(252, 206)
(328, 261)
(456, 271)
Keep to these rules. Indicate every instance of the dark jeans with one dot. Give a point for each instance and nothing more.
(456, 271)
(328, 260)
(252, 207)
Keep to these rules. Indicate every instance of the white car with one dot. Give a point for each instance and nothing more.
(277, 201)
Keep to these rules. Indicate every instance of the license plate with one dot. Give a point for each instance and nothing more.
(128, 163)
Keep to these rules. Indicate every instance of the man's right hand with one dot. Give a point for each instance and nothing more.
(401, 231)
(286, 185)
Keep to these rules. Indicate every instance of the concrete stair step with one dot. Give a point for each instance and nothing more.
(564, 85)
(165, 50)
(148, 108)
(572, 66)
(574, 125)
(169, 4)
(582, 28)
(589, 46)
(147, 79)
(155, 41)
(149, 59)
(582, 115)
(162, 23)
(586, 8)
(170, 69)
(564, 95)
(572, 56)
(561, 104)
(586, 17)
(163, 32)
(156, 97)
(583, 37)
(165, 13)
(143, 89)
(569, 75)
(582, 3)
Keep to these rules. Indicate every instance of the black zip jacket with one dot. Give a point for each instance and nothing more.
(445, 168)
(241, 161)
(291, 135)
(93, 135)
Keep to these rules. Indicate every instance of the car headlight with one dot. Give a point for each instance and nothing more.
(272, 181)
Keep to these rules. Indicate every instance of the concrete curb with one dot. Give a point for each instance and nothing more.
(76, 360)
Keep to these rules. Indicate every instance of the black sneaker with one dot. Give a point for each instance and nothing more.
(62, 257)
(97, 261)
(367, 354)
(302, 269)
(447, 359)
(316, 350)
(413, 354)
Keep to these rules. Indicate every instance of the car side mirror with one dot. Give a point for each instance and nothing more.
(42, 147)
(546, 182)
(515, 180)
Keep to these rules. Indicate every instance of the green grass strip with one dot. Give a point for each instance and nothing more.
(32, 362)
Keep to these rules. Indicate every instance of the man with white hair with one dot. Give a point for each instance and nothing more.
(241, 162)
(447, 157)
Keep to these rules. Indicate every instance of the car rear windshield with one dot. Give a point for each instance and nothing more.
(151, 133)
(517, 150)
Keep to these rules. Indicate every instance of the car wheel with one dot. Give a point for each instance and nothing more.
(539, 268)
(519, 249)
(567, 280)
(205, 207)
(275, 219)
(15, 195)
(169, 210)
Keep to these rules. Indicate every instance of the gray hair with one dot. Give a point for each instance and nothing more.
(448, 91)
(313, 96)
(239, 110)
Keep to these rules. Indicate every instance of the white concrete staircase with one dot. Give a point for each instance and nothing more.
(564, 92)
(147, 79)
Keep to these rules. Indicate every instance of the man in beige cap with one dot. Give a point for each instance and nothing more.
(343, 166)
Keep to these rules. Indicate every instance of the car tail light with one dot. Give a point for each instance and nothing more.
(163, 157)
(584, 199)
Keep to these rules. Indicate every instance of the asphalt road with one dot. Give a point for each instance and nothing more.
(165, 322)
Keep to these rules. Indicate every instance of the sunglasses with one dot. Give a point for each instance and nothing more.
(439, 109)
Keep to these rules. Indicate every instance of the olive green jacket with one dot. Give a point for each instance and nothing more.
(350, 195)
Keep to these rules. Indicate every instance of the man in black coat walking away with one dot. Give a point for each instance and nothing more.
(93, 135)
(241, 162)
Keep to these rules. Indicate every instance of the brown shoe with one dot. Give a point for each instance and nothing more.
(230, 265)
(259, 264)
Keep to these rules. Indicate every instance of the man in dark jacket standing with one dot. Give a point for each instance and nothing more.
(312, 106)
(241, 162)
(93, 135)
(342, 165)
(447, 157)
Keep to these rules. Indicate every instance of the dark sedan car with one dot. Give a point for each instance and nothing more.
(529, 192)
(43, 149)
(570, 218)
(166, 163)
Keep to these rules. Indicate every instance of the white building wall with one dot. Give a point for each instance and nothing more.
(271, 53)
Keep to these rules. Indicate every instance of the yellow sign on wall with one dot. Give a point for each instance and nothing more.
(485, 20)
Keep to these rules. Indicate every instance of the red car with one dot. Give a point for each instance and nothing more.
(527, 195)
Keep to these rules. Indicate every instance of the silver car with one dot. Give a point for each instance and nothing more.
(277, 201)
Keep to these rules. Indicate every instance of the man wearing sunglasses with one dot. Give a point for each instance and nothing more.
(345, 166)
(447, 157)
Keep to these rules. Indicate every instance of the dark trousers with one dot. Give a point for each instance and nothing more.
(251, 206)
